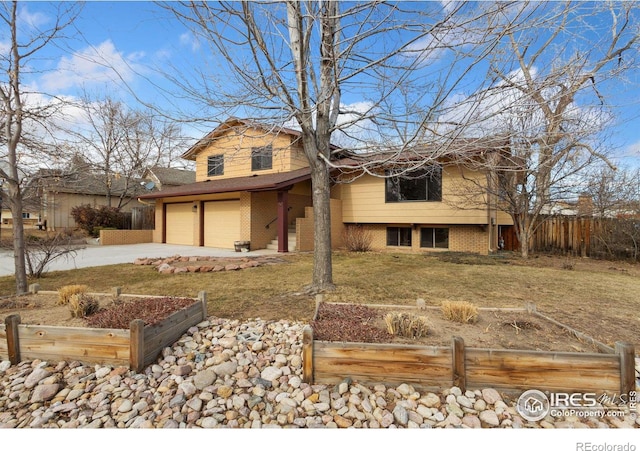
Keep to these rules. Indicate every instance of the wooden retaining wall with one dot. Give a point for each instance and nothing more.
(437, 367)
(136, 347)
(440, 367)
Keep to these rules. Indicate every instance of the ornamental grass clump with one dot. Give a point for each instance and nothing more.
(81, 305)
(407, 325)
(65, 293)
(460, 311)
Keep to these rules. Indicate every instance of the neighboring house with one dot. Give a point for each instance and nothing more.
(59, 192)
(254, 184)
(30, 217)
(30, 210)
(161, 178)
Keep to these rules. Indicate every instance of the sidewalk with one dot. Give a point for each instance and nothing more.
(95, 255)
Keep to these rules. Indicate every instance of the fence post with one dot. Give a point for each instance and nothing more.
(202, 296)
(307, 354)
(459, 367)
(627, 367)
(319, 300)
(11, 323)
(136, 345)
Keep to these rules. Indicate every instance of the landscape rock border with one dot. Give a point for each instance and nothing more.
(181, 264)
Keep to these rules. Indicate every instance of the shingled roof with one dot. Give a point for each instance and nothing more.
(263, 182)
(85, 183)
(170, 176)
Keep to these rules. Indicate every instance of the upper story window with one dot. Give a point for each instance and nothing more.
(424, 184)
(215, 165)
(261, 158)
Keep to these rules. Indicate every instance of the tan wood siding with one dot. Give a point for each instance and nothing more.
(180, 223)
(364, 202)
(236, 149)
(221, 223)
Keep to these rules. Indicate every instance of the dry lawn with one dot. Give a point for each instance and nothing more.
(599, 298)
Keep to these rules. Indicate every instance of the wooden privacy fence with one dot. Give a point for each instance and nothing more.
(136, 347)
(566, 234)
(585, 236)
(440, 367)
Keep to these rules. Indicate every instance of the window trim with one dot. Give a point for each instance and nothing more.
(433, 237)
(218, 168)
(398, 236)
(432, 177)
(262, 158)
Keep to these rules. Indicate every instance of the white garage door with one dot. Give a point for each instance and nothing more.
(221, 223)
(180, 224)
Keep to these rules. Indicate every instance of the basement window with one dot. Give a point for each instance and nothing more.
(435, 238)
(399, 236)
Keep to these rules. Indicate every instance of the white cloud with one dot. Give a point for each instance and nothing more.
(633, 149)
(5, 47)
(187, 39)
(32, 20)
(92, 65)
(502, 108)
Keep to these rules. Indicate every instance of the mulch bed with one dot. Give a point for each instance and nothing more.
(348, 322)
(150, 310)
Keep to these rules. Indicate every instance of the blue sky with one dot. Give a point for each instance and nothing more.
(138, 37)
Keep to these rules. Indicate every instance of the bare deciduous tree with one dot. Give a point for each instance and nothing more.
(19, 116)
(119, 143)
(550, 84)
(366, 74)
(614, 198)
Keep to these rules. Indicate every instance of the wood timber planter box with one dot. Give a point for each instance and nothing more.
(440, 367)
(135, 347)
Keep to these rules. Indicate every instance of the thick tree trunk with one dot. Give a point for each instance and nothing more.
(523, 232)
(18, 238)
(322, 264)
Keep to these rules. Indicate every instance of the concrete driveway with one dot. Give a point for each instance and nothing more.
(96, 255)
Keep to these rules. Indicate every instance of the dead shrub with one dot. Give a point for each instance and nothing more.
(407, 325)
(356, 238)
(65, 293)
(460, 311)
(81, 305)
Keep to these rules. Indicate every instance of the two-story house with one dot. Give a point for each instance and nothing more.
(253, 184)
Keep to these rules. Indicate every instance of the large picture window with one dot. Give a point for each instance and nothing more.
(261, 158)
(423, 184)
(432, 237)
(399, 236)
(215, 165)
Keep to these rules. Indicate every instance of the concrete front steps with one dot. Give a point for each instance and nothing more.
(292, 241)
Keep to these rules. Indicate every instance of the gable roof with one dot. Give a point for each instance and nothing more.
(170, 176)
(85, 183)
(252, 183)
(231, 123)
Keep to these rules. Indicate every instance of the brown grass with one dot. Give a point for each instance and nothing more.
(82, 305)
(460, 311)
(596, 297)
(407, 325)
(68, 291)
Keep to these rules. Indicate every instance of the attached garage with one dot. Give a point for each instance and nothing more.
(180, 223)
(221, 223)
